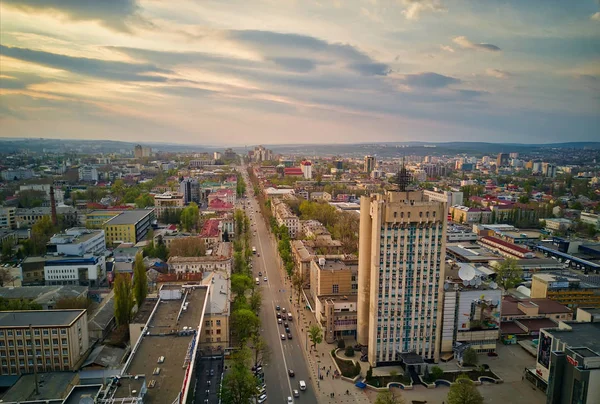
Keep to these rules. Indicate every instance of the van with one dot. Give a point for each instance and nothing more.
(302, 385)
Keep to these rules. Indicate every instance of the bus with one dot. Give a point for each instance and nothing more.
(257, 281)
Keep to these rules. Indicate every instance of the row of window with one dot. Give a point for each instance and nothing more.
(38, 352)
(36, 331)
(28, 342)
(40, 368)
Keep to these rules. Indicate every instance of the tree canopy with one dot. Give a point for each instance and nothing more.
(463, 391)
(315, 334)
(140, 280)
(187, 247)
(508, 273)
(124, 300)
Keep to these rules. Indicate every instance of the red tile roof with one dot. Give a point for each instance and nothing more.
(210, 228)
(534, 324)
(220, 204)
(506, 244)
(293, 171)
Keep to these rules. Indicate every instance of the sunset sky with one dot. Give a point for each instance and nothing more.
(235, 72)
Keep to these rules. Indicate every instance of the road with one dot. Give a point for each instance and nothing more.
(286, 354)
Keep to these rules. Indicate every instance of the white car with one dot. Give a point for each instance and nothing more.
(262, 398)
(290, 400)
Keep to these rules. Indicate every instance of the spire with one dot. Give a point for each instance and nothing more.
(403, 177)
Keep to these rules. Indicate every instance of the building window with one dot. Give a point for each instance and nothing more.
(64, 341)
(336, 288)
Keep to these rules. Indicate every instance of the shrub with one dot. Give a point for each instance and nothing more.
(349, 352)
(341, 344)
(436, 373)
(469, 357)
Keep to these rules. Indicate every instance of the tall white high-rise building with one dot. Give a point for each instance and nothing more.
(306, 169)
(401, 275)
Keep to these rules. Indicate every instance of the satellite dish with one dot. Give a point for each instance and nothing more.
(466, 273)
(476, 286)
(493, 285)
(446, 286)
(466, 283)
(477, 281)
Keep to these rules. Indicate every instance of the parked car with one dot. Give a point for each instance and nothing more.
(492, 354)
(262, 398)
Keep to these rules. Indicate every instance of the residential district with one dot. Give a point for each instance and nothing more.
(257, 275)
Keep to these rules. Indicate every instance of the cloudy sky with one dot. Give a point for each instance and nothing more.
(301, 71)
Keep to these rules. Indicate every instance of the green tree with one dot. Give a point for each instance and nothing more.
(80, 302)
(189, 217)
(5, 276)
(244, 324)
(240, 283)
(123, 299)
(140, 280)
(260, 350)
(118, 189)
(508, 273)
(436, 373)
(388, 397)
(31, 198)
(469, 357)
(349, 351)
(7, 249)
(256, 300)
(18, 304)
(315, 334)
(239, 384)
(463, 391)
(144, 201)
(41, 232)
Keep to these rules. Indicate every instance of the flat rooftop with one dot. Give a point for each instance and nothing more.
(334, 265)
(129, 216)
(39, 318)
(581, 335)
(52, 386)
(164, 341)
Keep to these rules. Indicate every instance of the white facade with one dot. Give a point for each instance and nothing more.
(79, 241)
(78, 271)
(199, 264)
(306, 169)
(451, 198)
(88, 173)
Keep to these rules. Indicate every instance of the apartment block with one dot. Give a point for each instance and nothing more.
(572, 292)
(78, 241)
(8, 218)
(168, 200)
(401, 271)
(284, 216)
(52, 340)
(130, 226)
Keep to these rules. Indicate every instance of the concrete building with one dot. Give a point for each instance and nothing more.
(168, 200)
(17, 174)
(549, 170)
(202, 163)
(59, 194)
(590, 218)
(568, 363)
(28, 217)
(130, 226)
(208, 263)
(190, 189)
(401, 271)
(46, 296)
(369, 164)
(463, 214)
(571, 292)
(83, 271)
(88, 174)
(171, 330)
(306, 169)
(78, 241)
(320, 196)
(140, 151)
(505, 248)
(284, 216)
(9, 236)
(558, 224)
(58, 343)
(216, 336)
(338, 317)
(451, 198)
(8, 218)
(502, 160)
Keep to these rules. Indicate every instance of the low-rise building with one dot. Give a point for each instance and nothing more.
(32, 271)
(168, 200)
(505, 248)
(8, 236)
(8, 217)
(219, 261)
(28, 217)
(572, 292)
(46, 296)
(463, 214)
(78, 241)
(590, 218)
(59, 341)
(84, 271)
(284, 216)
(216, 336)
(338, 316)
(211, 232)
(88, 173)
(452, 198)
(333, 277)
(130, 226)
(568, 363)
(559, 224)
(320, 196)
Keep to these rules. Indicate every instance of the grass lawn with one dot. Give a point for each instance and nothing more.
(382, 381)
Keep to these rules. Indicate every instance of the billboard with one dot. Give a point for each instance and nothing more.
(544, 349)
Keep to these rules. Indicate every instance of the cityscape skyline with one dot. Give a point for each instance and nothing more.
(393, 71)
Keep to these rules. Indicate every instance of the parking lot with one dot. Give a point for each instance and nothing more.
(209, 372)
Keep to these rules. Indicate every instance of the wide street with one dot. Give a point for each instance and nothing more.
(285, 354)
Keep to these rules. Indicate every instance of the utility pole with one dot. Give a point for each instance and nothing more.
(35, 375)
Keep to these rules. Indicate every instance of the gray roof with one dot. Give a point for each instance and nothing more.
(38, 318)
(218, 300)
(129, 216)
(105, 356)
(43, 294)
(103, 315)
(580, 335)
(52, 385)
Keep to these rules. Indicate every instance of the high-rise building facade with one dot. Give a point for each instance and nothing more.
(369, 164)
(502, 160)
(190, 189)
(401, 275)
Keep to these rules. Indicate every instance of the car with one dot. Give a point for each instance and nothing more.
(212, 372)
(259, 273)
(265, 279)
(289, 335)
(283, 309)
(278, 321)
(285, 324)
(262, 398)
(258, 254)
(302, 385)
(279, 316)
(492, 354)
(277, 308)
(296, 393)
(291, 373)
(290, 400)
(262, 390)
(287, 329)
(283, 336)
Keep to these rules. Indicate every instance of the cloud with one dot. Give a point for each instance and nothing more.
(113, 14)
(595, 16)
(497, 73)
(429, 80)
(370, 69)
(414, 8)
(468, 94)
(463, 42)
(106, 69)
(447, 48)
(299, 65)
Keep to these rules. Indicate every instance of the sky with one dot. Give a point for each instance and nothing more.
(245, 72)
